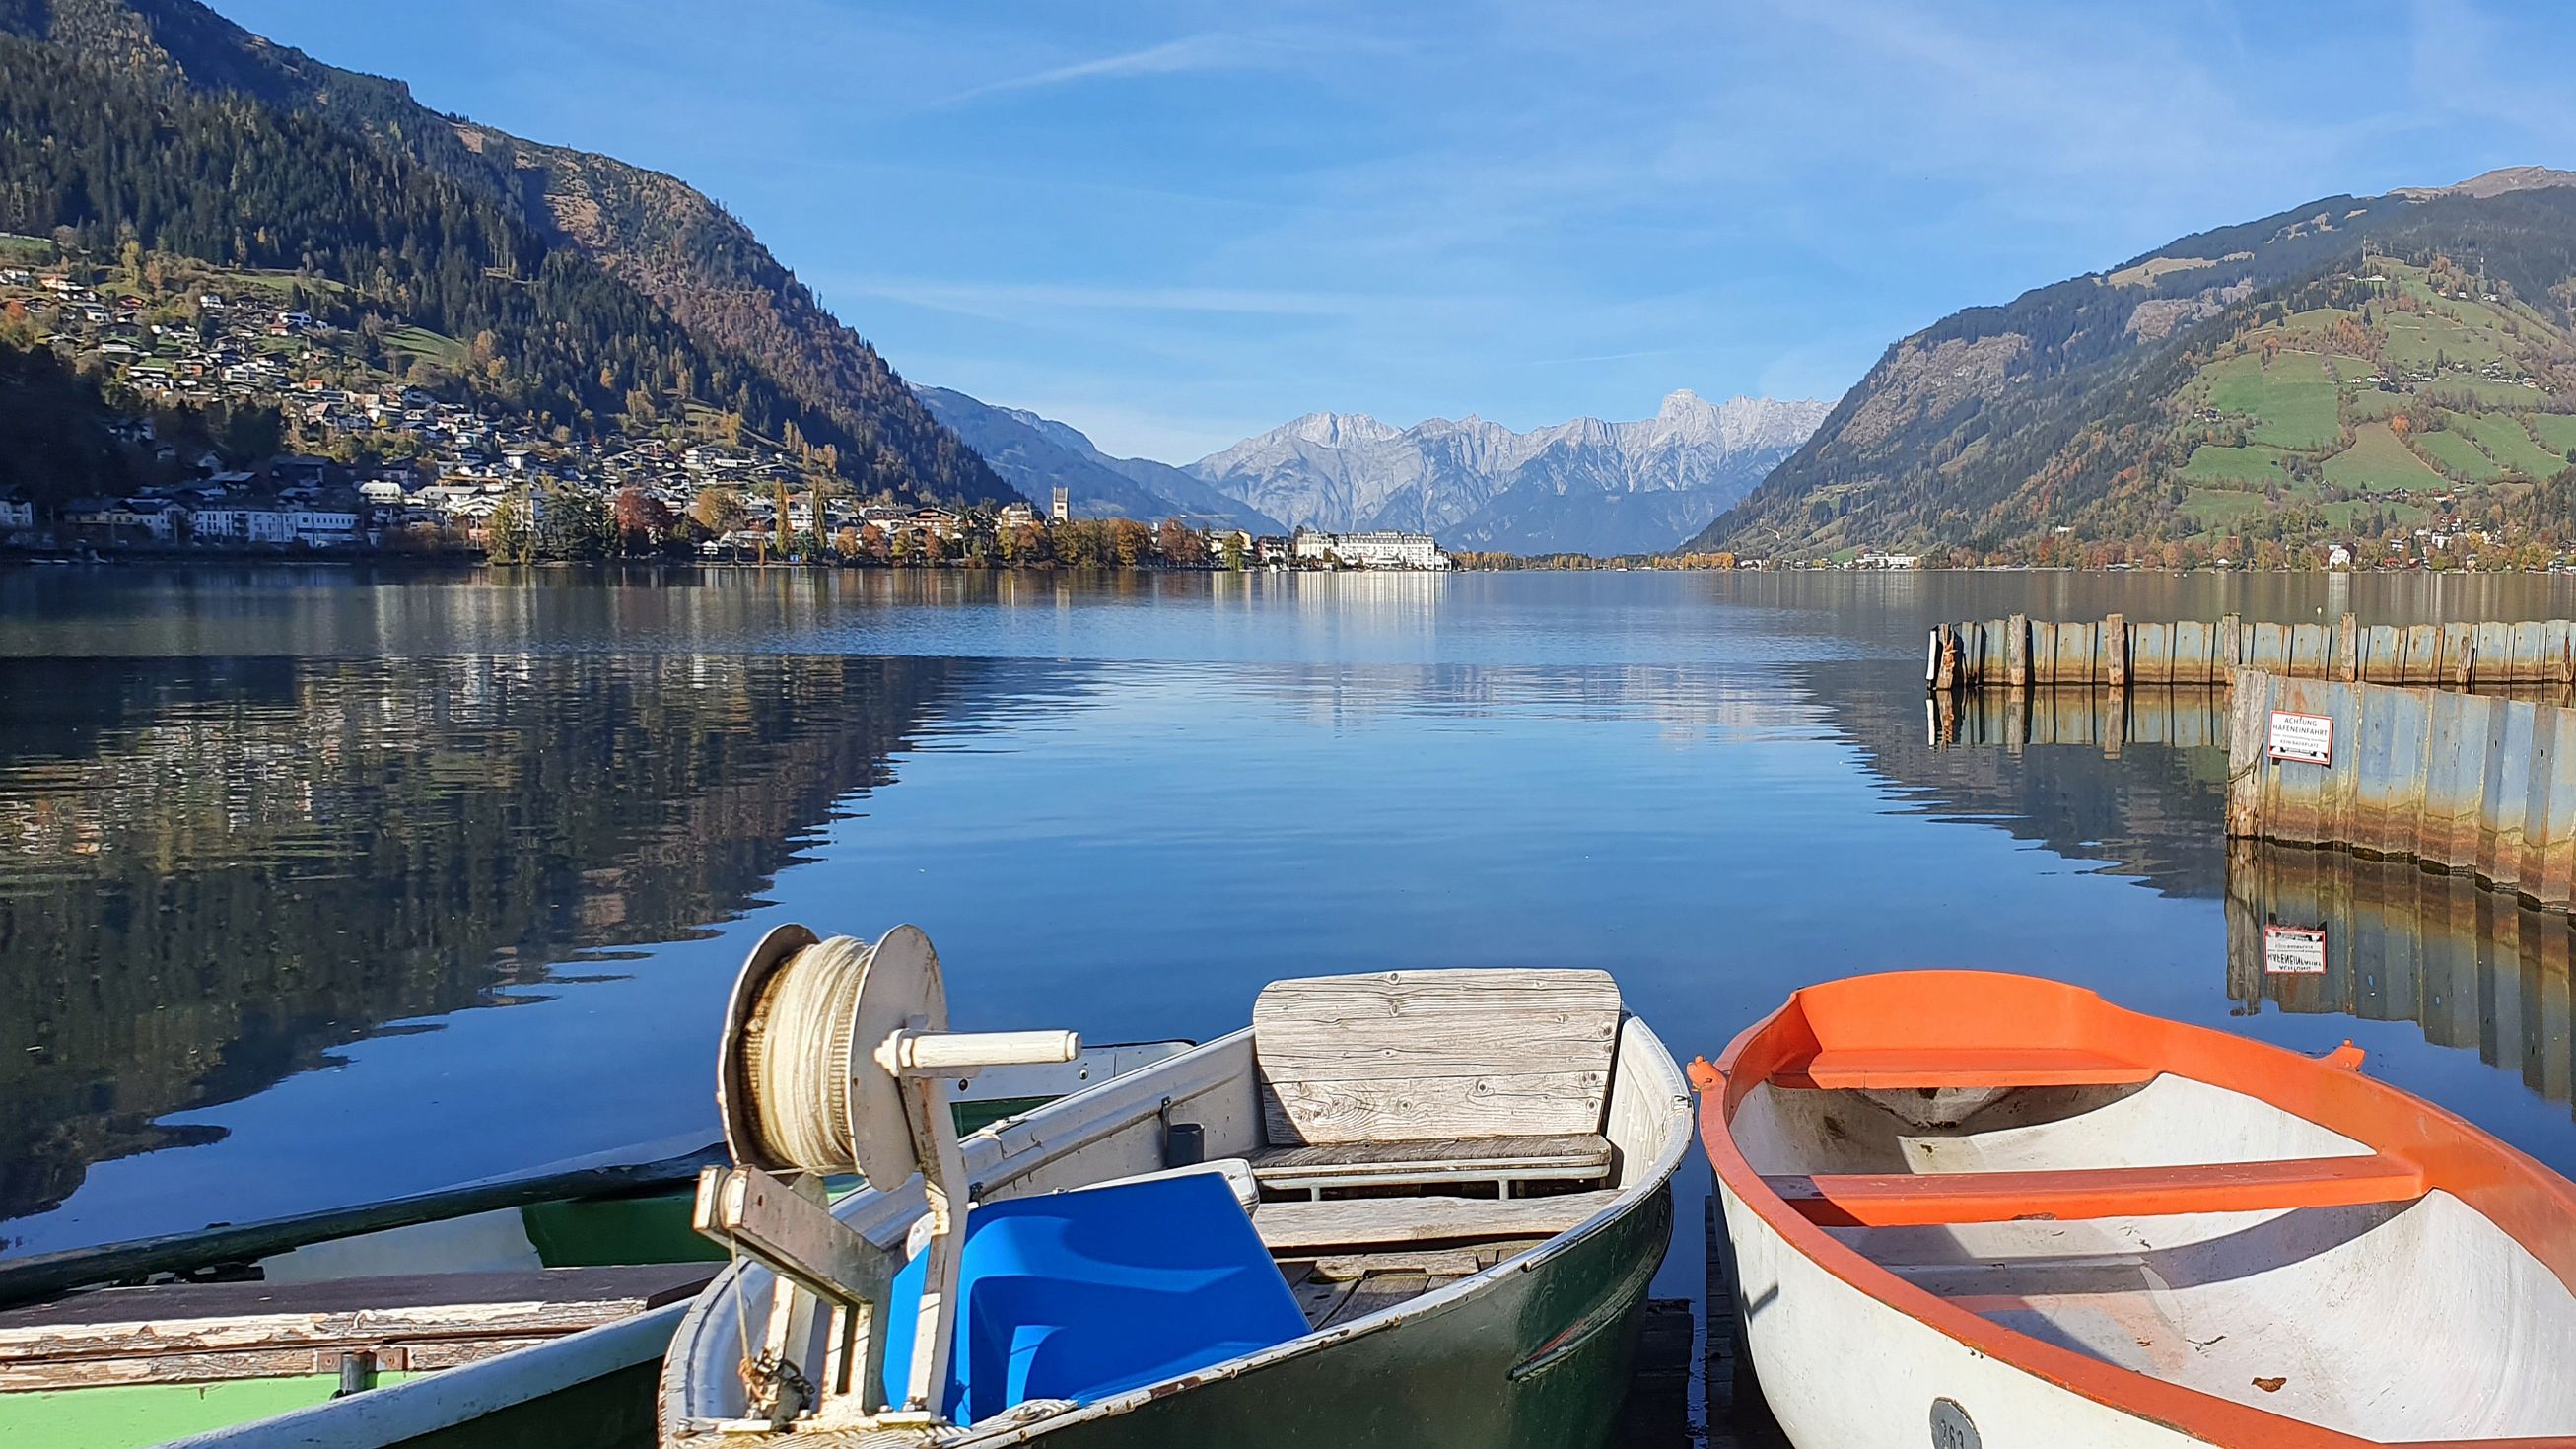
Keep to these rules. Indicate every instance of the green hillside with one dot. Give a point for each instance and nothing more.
(2427, 388)
(2359, 366)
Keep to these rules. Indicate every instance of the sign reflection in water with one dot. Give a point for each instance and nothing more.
(2471, 967)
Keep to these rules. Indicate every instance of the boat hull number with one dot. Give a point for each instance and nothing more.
(1951, 1427)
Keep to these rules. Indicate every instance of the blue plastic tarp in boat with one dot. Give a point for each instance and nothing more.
(1085, 1294)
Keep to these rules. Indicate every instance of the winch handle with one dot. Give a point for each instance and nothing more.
(955, 1051)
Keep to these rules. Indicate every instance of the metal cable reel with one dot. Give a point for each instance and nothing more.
(833, 1060)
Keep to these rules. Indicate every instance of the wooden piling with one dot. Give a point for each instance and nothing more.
(2458, 782)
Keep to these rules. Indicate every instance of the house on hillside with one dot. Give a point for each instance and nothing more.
(290, 471)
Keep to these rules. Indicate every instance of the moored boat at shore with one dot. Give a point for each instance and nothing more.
(527, 1309)
(1417, 1208)
(1985, 1211)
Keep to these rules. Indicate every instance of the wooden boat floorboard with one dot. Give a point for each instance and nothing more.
(1565, 1154)
(1358, 1222)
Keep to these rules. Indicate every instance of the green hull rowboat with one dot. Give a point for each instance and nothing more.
(1461, 1178)
(531, 1310)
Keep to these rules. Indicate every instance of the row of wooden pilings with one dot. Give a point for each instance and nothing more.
(2466, 783)
(2019, 652)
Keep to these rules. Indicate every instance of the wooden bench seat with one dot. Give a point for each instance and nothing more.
(1556, 1157)
(1873, 1069)
(1874, 1200)
(208, 1332)
(1313, 1227)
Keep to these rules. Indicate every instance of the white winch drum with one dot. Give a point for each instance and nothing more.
(797, 1078)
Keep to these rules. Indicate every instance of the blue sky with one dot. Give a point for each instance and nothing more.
(1175, 224)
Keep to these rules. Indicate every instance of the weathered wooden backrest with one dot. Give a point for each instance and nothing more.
(1400, 1056)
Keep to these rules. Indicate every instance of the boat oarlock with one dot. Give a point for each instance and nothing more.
(835, 1059)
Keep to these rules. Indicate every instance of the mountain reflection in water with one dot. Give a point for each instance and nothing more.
(253, 909)
(215, 871)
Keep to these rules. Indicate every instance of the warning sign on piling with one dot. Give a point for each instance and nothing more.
(2306, 738)
(2292, 951)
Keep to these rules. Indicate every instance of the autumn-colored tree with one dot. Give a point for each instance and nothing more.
(934, 549)
(643, 523)
(1128, 541)
(718, 510)
(872, 542)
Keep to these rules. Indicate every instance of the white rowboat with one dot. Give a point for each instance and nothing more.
(1981, 1211)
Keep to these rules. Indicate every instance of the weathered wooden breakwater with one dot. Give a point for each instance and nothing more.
(2019, 652)
(2185, 716)
(2473, 784)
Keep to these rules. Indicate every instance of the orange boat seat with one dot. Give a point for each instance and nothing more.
(1871, 1068)
(1890, 1200)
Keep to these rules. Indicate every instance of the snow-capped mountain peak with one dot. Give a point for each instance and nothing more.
(1585, 485)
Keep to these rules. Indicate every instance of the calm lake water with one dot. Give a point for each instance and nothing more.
(316, 887)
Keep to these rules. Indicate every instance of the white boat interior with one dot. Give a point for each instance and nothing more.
(2399, 1315)
(1395, 1137)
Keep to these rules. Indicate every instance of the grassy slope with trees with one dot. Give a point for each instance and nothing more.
(2224, 383)
(159, 122)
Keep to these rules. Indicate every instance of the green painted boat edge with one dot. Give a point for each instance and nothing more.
(133, 1416)
(24, 1280)
(594, 1387)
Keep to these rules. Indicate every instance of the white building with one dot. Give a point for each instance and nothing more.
(1383, 548)
(241, 523)
(16, 512)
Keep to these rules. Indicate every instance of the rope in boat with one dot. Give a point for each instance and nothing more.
(796, 1055)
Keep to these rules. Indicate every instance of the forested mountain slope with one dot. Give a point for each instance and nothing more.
(603, 285)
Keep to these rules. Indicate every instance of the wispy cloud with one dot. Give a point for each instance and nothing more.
(1003, 301)
(1211, 51)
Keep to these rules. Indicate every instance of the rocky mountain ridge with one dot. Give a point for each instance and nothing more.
(1585, 486)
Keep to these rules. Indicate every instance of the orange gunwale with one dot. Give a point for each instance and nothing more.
(1967, 1016)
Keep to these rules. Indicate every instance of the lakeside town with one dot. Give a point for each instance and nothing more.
(335, 444)
(265, 428)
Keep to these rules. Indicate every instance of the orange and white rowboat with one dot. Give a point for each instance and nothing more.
(1979, 1211)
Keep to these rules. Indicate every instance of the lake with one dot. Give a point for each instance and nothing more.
(317, 886)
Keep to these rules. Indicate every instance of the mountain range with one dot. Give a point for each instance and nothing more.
(1585, 486)
(597, 283)
(2353, 367)
(1036, 455)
